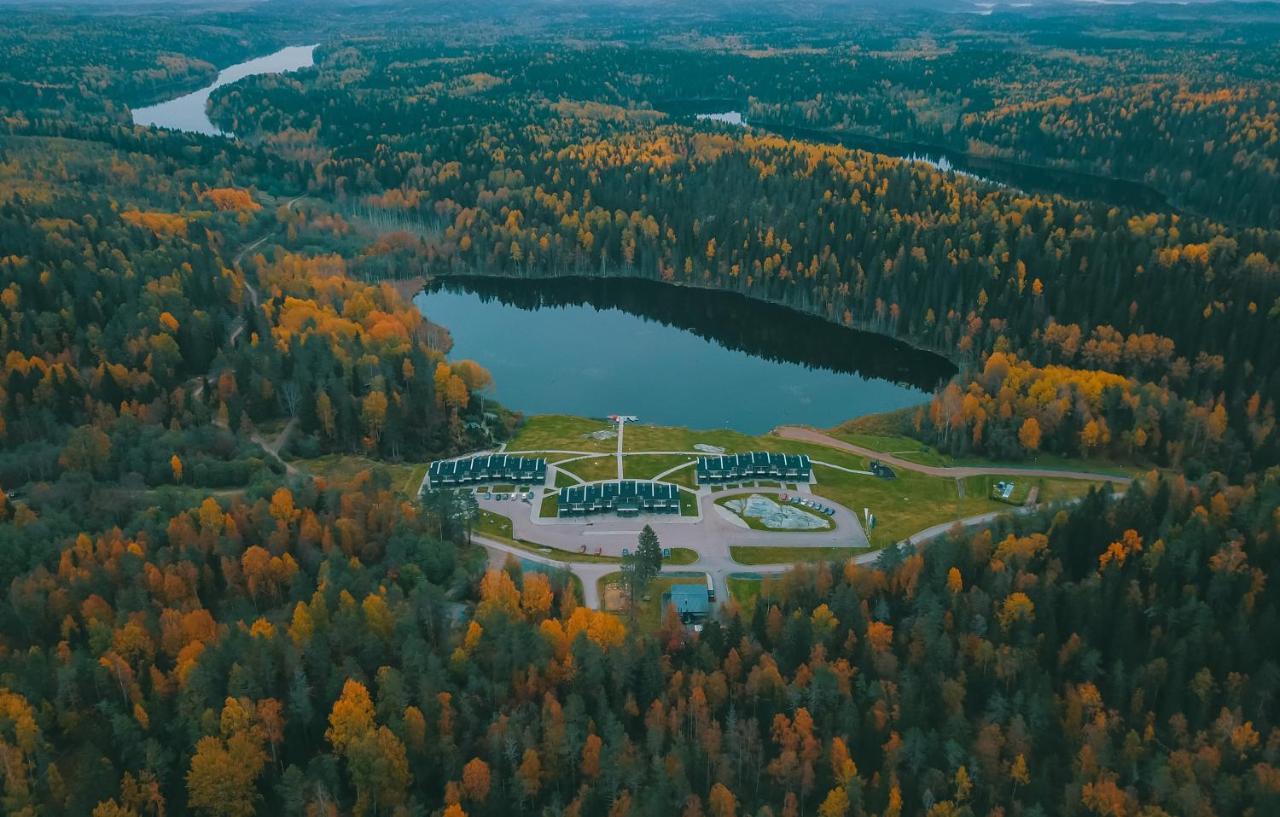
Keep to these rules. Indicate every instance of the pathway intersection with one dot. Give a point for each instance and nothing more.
(710, 533)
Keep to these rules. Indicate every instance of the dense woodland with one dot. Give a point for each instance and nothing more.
(192, 626)
(528, 159)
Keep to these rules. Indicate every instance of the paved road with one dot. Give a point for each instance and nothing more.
(589, 572)
(716, 560)
(809, 435)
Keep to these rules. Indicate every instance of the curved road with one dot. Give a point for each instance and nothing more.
(716, 561)
(809, 435)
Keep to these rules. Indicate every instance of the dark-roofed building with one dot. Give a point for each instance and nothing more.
(626, 497)
(487, 468)
(691, 601)
(754, 465)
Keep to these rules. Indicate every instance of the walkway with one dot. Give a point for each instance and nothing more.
(809, 435)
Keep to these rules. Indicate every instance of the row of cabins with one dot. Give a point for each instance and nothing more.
(626, 497)
(754, 465)
(487, 468)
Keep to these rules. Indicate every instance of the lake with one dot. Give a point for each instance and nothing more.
(672, 355)
(190, 112)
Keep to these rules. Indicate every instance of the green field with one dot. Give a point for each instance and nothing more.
(634, 466)
(406, 477)
(681, 556)
(593, 469)
(874, 433)
(649, 466)
(560, 432)
(564, 479)
(745, 590)
(790, 555)
(550, 507)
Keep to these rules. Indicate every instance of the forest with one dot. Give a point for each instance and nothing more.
(193, 625)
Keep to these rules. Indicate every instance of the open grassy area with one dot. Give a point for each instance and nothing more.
(688, 503)
(745, 590)
(789, 555)
(878, 433)
(560, 432)
(635, 466)
(406, 477)
(902, 506)
(564, 479)
(681, 556)
(648, 613)
(757, 524)
(645, 437)
(1047, 490)
(592, 469)
(494, 524)
(649, 466)
(550, 508)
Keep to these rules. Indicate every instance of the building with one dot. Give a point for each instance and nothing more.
(626, 497)
(754, 465)
(487, 468)
(691, 602)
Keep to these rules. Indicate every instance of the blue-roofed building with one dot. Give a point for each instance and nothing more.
(487, 469)
(691, 601)
(626, 497)
(716, 470)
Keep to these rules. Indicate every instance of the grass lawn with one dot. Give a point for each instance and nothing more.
(681, 556)
(876, 433)
(648, 609)
(648, 466)
(406, 477)
(688, 503)
(550, 506)
(913, 501)
(1049, 490)
(593, 469)
(788, 555)
(902, 506)
(756, 524)
(495, 525)
(745, 590)
(645, 437)
(560, 432)
(564, 480)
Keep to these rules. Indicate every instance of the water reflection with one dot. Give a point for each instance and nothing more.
(675, 355)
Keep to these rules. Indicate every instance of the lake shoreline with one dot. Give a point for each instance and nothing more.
(425, 281)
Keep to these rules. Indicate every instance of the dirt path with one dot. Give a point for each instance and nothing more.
(274, 445)
(809, 435)
(254, 295)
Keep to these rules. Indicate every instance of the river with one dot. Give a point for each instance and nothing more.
(672, 355)
(191, 112)
(1003, 172)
